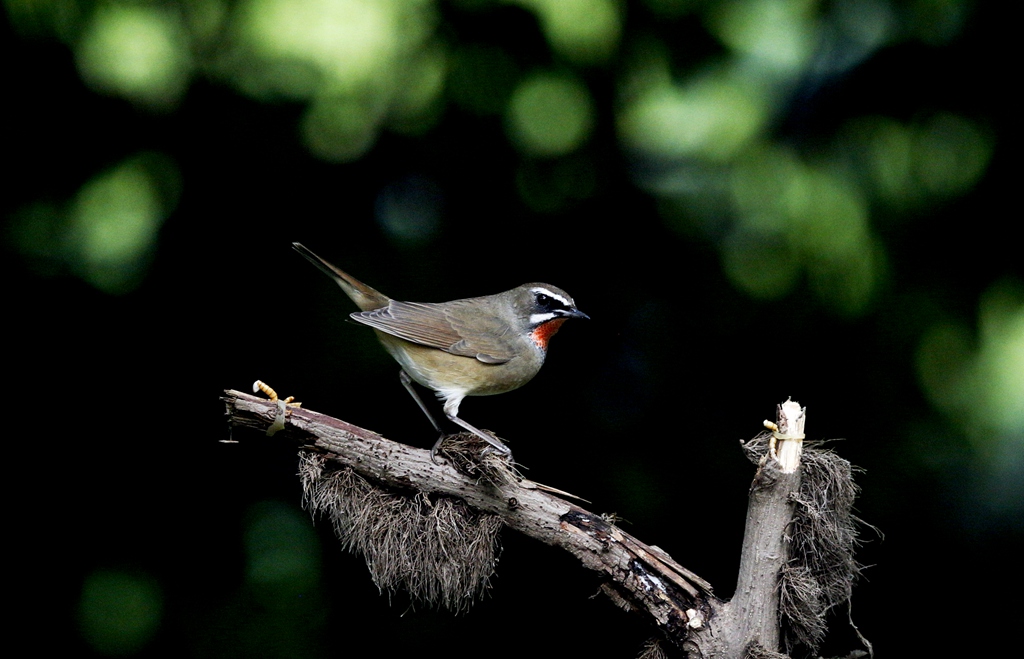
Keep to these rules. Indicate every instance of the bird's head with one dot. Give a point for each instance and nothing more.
(541, 310)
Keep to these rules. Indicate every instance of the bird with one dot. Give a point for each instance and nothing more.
(477, 346)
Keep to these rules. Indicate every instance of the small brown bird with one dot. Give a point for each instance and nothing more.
(473, 347)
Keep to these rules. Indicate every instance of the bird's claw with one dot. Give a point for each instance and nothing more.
(435, 447)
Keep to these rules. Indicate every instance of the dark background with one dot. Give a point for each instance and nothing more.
(139, 534)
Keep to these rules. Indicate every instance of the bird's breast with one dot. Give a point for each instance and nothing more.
(443, 371)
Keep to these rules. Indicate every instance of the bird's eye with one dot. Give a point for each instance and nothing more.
(543, 300)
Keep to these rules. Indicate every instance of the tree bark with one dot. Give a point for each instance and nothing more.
(752, 615)
(634, 575)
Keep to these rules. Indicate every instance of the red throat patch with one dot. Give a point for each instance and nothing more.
(544, 332)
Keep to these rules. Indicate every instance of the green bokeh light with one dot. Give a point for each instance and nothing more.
(846, 281)
(890, 166)
(114, 221)
(582, 31)
(107, 232)
(830, 215)
(976, 380)
(779, 34)
(952, 154)
(136, 51)
(907, 165)
(347, 41)
(418, 99)
(1001, 356)
(712, 117)
(118, 612)
(362, 65)
(282, 554)
(816, 218)
(979, 380)
(761, 261)
(339, 128)
(550, 114)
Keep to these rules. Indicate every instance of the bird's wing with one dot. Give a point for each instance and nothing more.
(456, 327)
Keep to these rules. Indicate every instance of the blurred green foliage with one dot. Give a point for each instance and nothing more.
(106, 234)
(119, 612)
(698, 105)
(362, 68)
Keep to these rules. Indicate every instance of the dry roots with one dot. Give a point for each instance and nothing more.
(436, 548)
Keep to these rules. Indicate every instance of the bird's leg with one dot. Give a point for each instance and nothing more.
(407, 383)
(496, 443)
(450, 411)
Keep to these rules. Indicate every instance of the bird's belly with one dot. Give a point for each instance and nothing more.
(444, 372)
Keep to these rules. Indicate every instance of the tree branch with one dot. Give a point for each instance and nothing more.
(391, 503)
(752, 615)
(634, 573)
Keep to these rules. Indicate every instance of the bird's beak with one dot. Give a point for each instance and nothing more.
(576, 313)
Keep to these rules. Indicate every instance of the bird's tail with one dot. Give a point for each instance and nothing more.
(365, 297)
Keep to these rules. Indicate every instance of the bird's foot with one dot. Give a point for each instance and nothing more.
(469, 444)
(435, 447)
(496, 446)
(471, 456)
(464, 442)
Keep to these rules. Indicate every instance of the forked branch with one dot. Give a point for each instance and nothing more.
(401, 510)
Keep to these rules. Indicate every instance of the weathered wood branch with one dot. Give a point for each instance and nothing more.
(752, 615)
(637, 576)
(641, 576)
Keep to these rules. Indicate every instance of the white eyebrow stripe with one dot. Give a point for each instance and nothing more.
(538, 318)
(539, 289)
